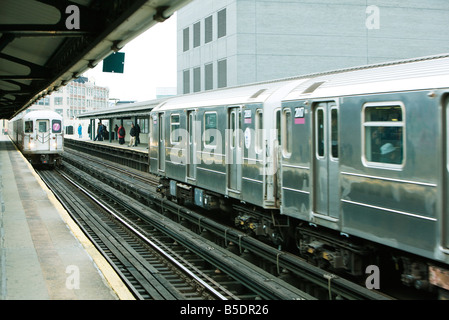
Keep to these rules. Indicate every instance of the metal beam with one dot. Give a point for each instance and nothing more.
(37, 72)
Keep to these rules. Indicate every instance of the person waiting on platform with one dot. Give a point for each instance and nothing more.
(80, 131)
(99, 132)
(121, 135)
(116, 132)
(132, 133)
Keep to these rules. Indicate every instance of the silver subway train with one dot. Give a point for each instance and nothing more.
(352, 165)
(39, 136)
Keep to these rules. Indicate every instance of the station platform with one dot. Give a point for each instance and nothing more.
(43, 253)
(142, 147)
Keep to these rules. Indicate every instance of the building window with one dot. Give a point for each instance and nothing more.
(383, 134)
(208, 29)
(197, 79)
(58, 101)
(185, 39)
(186, 81)
(208, 76)
(222, 80)
(221, 23)
(196, 34)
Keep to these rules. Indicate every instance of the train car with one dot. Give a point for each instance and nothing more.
(39, 136)
(199, 140)
(375, 168)
(352, 164)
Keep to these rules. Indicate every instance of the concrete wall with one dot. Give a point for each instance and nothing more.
(274, 39)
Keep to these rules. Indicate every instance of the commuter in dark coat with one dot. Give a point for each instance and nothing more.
(121, 135)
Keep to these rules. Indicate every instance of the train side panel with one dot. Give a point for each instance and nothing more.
(295, 168)
(175, 150)
(211, 169)
(390, 176)
(253, 161)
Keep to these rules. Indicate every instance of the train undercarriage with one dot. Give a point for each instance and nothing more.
(44, 159)
(328, 249)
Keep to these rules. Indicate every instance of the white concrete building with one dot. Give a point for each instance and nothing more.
(231, 42)
(78, 96)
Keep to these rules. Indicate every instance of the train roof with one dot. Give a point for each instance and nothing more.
(253, 93)
(38, 114)
(412, 74)
(406, 75)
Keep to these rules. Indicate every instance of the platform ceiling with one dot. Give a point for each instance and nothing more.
(44, 44)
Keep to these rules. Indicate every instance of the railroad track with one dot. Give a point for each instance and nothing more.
(152, 263)
(297, 271)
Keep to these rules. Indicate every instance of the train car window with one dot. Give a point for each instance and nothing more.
(42, 126)
(259, 130)
(232, 127)
(320, 132)
(239, 128)
(56, 126)
(174, 126)
(287, 133)
(334, 132)
(210, 129)
(28, 126)
(384, 138)
(143, 124)
(278, 125)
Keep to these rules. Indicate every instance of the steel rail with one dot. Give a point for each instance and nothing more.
(145, 238)
(331, 282)
(257, 280)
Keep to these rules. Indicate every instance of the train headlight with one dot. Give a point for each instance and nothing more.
(32, 145)
(55, 144)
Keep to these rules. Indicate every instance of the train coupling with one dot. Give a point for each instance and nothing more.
(45, 158)
(160, 188)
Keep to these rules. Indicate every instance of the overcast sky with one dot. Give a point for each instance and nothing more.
(150, 62)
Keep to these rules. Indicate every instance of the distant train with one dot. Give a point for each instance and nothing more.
(352, 165)
(39, 135)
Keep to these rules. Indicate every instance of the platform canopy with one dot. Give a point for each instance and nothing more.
(44, 44)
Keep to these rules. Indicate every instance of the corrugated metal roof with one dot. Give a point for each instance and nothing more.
(137, 109)
(39, 52)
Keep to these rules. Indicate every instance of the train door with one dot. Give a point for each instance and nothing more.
(277, 154)
(43, 134)
(445, 205)
(191, 146)
(234, 149)
(161, 142)
(326, 161)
